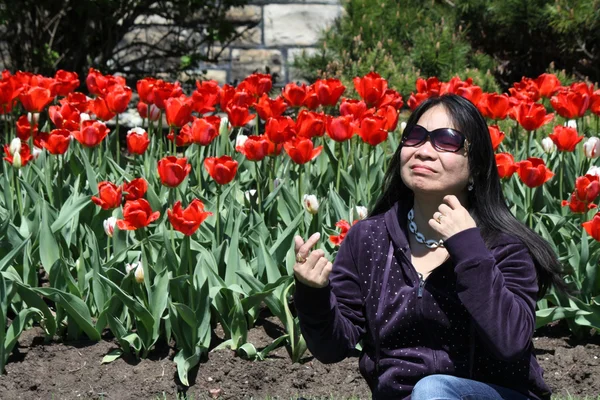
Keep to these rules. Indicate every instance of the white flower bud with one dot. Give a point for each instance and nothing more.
(136, 130)
(153, 112)
(591, 147)
(139, 273)
(17, 161)
(571, 123)
(33, 118)
(249, 193)
(362, 212)
(594, 171)
(84, 117)
(224, 127)
(132, 266)
(36, 152)
(402, 126)
(240, 140)
(15, 146)
(548, 145)
(311, 204)
(109, 226)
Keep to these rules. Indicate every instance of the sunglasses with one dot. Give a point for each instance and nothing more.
(442, 139)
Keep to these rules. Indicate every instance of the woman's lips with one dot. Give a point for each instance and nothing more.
(421, 168)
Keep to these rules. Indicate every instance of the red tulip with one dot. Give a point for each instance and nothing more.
(356, 108)
(390, 98)
(391, 117)
(172, 170)
(344, 226)
(496, 135)
(301, 150)
(206, 96)
(472, 93)
(577, 206)
(178, 111)
(239, 116)
(148, 111)
(269, 108)
(416, 99)
(531, 116)
(136, 189)
(57, 142)
(109, 195)
(187, 221)
(341, 129)
(117, 98)
(494, 106)
(595, 102)
(137, 214)
(593, 227)
(505, 163)
(24, 154)
(274, 148)
(78, 101)
(99, 84)
(280, 129)
(205, 130)
(533, 172)
(99, 107)
(9, 91)
(92, 133)
(145, 88)
(162, 91)
(329, 91)
(64, 116)
(255, 148)
(372, 129)
(570, 104)
(371, 87)
(256, 84)
(310, 124)
(184, 136)
(137, 141)
(66, 82)
(565, 138)
(525, 90)
(294, 95)
(548, 84)
(24, 128)
(221, 169)
(35, 99)
(587, 188)
(311, 101)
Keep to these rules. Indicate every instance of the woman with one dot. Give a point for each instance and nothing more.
(440, 281)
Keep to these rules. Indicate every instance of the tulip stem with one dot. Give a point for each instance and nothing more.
(160, 132)
(199, 159)
(339, 164)
(271, 174)
(530, 192)
(300, 197)
(18, 187)
(108, 248)
(529, 136)
(217, 214)
(118, 141)
(60, 179)
(560, 175)
(186, 241)
(516, 144)
(258, 184)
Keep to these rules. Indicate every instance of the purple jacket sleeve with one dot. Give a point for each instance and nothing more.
(498, 287)
(331, 318)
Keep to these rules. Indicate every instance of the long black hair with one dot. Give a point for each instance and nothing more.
(486, 201)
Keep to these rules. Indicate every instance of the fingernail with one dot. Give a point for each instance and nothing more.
(317, 235)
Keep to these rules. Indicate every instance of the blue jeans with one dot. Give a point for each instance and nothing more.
(447, 387)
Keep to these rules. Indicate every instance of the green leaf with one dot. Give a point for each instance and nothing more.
(111, 356)
(13, 253)
(71, 209)
(91, 175)
(186, 361)
(49, 250)
(35, 301)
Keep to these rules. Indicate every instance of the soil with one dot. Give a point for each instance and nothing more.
(73, 370)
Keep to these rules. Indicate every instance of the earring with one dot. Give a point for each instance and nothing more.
(470, 186)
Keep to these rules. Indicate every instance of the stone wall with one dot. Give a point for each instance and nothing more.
(284, 30)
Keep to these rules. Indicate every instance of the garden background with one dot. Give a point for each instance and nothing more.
(160, 157)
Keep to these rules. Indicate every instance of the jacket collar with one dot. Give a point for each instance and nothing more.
(396, 220)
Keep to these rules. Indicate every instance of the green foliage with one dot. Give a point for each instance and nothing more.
(400, 40)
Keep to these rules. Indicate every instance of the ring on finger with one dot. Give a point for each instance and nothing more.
(439, 218)
(299, 258)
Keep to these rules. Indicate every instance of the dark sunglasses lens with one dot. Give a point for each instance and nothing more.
(415, 136)
(447, 139)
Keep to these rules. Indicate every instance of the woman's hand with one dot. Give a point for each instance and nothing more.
(451, 218)
(311, 269)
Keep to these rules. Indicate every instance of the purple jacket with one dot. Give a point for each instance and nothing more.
(473, 316)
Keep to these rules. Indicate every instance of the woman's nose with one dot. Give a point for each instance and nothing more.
(426, 149)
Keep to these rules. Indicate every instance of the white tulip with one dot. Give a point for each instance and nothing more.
(311, 204)
(591, 147)
(548, 145)
(571, 123)
(594, 171)
(139, 273)
(240, 140)
(402, 126)
(362, 212)
(15, 146)
(84, 117)
(109, 226)
(224, 127)
(17, 161)
(132, 266)
(33, 118)
(36, 152)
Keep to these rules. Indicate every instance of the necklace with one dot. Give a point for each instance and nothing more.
(412, 226)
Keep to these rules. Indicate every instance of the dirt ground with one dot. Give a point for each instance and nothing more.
(73, 370)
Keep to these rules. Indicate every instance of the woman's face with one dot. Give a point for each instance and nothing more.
(425, 170)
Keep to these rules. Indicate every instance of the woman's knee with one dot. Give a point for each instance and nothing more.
(436, 387)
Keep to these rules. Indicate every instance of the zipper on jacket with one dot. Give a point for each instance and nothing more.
(421, 285)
